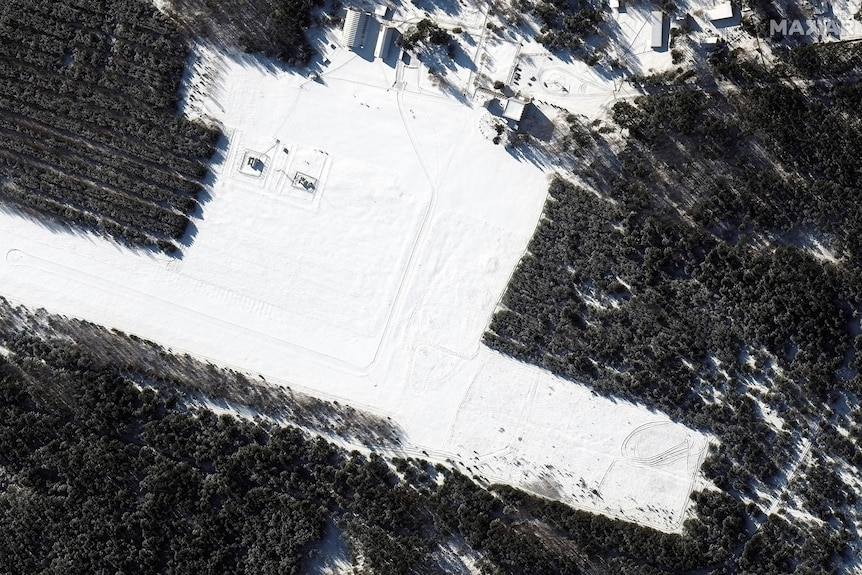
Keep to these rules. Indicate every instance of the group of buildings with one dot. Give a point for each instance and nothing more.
(358, 24)
(360, 28)
(719, 14)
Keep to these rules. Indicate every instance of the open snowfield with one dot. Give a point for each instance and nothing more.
(369, 279)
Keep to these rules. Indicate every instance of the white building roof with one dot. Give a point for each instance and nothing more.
(657, 18)
(353, 33)
(514, 109)
(384, 37)
(720, 11)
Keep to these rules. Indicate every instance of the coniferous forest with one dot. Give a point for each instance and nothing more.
(112, 461)
(89, 130)
(275, 28)
(703, 258)
(707, 263)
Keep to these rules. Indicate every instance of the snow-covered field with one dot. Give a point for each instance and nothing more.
(369, 281)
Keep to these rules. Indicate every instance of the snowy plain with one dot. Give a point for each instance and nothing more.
(371, 286)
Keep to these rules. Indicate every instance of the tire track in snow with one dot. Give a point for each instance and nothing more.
(16, 257)
(418, 243)
(629, 450)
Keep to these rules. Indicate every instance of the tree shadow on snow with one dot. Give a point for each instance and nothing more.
(204, 196)
(448, 7)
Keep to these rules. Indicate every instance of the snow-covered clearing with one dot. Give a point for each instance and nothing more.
(369, 279)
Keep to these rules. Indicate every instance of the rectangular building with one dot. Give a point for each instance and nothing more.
(657, 18)
(384, 39)
(353, 33)
(514, 109)
(722, 11)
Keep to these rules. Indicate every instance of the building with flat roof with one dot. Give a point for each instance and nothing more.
(384, 40)
(514, 109)
(353, 33)
(657, 22)
(721, 11)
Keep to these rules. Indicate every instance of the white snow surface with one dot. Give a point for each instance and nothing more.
(372, 287)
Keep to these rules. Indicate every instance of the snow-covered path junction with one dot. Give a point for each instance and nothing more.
(359, 235)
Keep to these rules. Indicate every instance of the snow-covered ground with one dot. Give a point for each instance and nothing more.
(531, 72)
(361, 260)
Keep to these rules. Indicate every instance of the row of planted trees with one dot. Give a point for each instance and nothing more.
(89, 130)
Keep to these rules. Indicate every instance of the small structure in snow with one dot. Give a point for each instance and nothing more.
(253, 163)
(353, 33)
(383, 12)
(305, 182)
(514, 109)
(710, 41)
(616, 5)
(721, 11)
(657, 21)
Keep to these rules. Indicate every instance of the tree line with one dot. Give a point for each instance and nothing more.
(716, 276)
(274, 28)
(105, 471)
(565, 24)
(89, 130)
